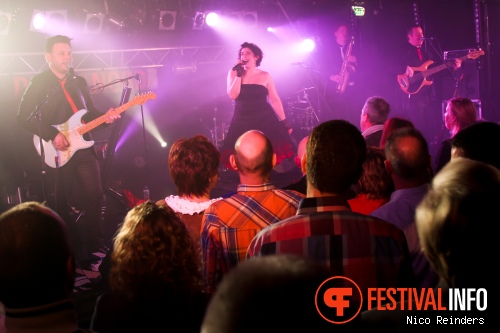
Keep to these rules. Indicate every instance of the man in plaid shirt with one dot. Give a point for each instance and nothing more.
(230, 224)
(371, 252)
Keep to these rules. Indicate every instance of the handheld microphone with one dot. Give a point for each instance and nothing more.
(427, 38)
(243, 62)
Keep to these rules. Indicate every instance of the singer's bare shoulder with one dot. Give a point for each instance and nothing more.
(267, 78)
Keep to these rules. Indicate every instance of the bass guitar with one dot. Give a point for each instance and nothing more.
(412, 85)
(73, 130)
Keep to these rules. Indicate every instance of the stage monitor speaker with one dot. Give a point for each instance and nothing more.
(467, 76)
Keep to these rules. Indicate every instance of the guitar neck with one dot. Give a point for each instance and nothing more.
(441, 67)
(102, 119)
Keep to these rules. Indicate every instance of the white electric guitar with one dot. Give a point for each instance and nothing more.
(73, 130)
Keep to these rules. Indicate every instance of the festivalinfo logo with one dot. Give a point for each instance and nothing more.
(339, 300)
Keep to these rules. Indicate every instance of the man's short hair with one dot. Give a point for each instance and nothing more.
(34, 255)
(272, 293)
(335, 154)
(377, 109)
(49, 43)
(408, 163)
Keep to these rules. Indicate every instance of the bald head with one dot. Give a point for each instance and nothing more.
(301, 151)
(253, 154)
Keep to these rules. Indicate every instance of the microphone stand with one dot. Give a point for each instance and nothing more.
(316, 83)
(96, 87)
(138, 78)
(115, 133)
(144, 138)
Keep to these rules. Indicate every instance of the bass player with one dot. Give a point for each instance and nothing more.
(55, 95)
(417, 106)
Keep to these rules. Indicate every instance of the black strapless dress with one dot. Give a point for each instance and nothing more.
(252, 111)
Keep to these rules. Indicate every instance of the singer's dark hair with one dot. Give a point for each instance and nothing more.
(255, 49)
(49, 44)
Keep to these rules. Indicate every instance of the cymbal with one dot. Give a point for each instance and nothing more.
(304, 89)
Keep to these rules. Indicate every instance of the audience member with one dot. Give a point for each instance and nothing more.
(155, 278)
(37, 271)
(194, 168)
(230, 224)
(478, 142)
(454, 226)
(408, 162)
(375, 185)
(301, 184)
(326, 230)
(269, 294)
(373, 116)
(391, 125)
(460, 113)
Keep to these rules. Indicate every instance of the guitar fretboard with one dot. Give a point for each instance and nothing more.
(102, 119)
(422, 75)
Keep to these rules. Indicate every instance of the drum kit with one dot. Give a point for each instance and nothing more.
(218, 132)
(300, 111)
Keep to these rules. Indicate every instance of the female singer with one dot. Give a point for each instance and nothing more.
(257, 105)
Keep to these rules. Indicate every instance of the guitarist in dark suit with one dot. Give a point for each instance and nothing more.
(57, 93)
(417, 106)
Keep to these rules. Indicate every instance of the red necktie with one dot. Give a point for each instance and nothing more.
(68, 97)
(419, 53)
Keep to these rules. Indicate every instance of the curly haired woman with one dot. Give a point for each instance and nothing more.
(155, 277)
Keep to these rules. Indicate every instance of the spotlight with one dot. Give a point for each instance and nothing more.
(249, 19)
(270, 29)
(5, 20)
(199, 21)
(167, 20)
(233, 16)
(53, 19)
(163, 144)
(242, 18)
(37, 20)
(212, 19)
(57, 17)
(93, 24)
(308, 44)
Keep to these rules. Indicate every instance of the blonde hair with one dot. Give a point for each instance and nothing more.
(453, 221)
